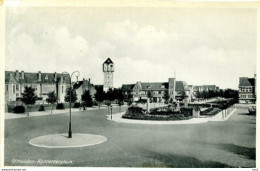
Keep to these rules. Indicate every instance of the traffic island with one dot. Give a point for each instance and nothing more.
(62, 140)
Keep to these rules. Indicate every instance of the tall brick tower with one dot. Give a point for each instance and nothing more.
(108, 69)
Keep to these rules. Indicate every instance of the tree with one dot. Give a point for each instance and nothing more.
(52, 98)
(74, 97)
(110, 95)
(87, 98)
(149, 95)
(128, 97)
(29, 97)
(149, 98)
(166, 96)
(183, 95)
(198, 95)
(99, 96)
(119, 94)
(108, 103)
(119, 97)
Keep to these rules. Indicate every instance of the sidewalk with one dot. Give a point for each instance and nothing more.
(54, 112)
(221, 116)
(217, 117)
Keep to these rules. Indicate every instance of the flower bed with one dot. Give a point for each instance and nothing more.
(210, 111)
(161, 113)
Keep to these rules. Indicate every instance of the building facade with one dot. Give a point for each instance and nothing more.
(43, 83)
(247, 90)
(174, 88)
(108, 70)
(82, 86)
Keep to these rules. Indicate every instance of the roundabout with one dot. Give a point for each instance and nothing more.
(62, 140)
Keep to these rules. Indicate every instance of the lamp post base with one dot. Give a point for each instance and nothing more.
(70, 134)
(70, 131)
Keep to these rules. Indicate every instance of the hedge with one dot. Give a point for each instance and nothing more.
(41, 108)
(60, 106)
(76, 105)
(19, 109)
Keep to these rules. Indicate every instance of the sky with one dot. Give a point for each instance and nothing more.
(200, 46)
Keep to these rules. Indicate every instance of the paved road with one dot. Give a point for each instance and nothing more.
(213, 144)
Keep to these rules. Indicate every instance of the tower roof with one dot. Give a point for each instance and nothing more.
(245, 81)
(108, 61)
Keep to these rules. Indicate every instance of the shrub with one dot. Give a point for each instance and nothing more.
(60, 106)
(10, 108)
(76, 105)
(19, 109)
(162, 111)
(205, 112)
(215, 111)
(129, 103)
(95, 103)
(187, 111)
(107, 102)
(90, 104)
(134, 112)
(41, 108)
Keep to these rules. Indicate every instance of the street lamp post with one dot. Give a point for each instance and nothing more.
(111, 110)
(70, 76)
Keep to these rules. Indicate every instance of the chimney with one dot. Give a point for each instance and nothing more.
(22, 74)
(55, 76)
(39, 76)
(16, 74)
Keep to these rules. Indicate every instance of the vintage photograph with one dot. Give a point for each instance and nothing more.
(111, 86)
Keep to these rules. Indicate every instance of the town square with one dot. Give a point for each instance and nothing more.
(130, 87)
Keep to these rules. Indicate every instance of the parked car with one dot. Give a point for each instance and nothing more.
(252, 110)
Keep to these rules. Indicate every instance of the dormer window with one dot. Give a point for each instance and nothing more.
(162, 86)
(46, 77)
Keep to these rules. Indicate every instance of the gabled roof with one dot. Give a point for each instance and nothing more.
(155, 86)
(181, 86)
(10, 77)
(127, 87)
(77, 84)
(245, 81)
(84, 84)
(108, 61)
(209, 87)
(196, 88)
(32, 78)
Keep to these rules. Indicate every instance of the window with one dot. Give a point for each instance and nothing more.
(162, 86)
(6, 87)
(61, 89)
(13, 88)
(17, 87)
(17, 94)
